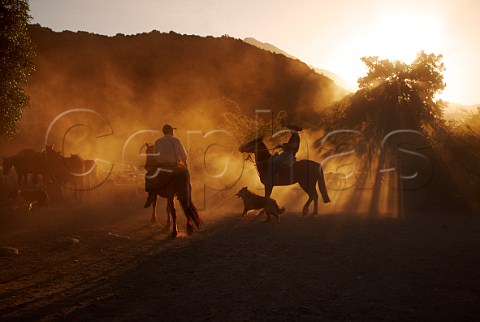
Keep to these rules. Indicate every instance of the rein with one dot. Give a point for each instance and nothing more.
(249, 158)
(255, 162)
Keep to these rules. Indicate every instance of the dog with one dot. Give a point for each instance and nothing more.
(32, 196)
(253, 201)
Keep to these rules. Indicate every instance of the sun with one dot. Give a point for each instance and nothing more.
(401, 34)
(395, 34)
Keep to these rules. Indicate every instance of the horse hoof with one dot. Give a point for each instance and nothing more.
(189, 230)
(174, 235)
(305, 211)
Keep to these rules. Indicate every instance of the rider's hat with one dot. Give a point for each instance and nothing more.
(294, 127)
(167, 128)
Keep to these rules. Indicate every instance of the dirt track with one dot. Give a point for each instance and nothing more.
(425, 266)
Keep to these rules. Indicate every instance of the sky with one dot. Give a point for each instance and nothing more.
(329, 34)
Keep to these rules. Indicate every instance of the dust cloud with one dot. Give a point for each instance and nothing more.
(104, 98)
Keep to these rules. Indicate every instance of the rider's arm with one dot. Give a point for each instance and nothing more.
(293, 143)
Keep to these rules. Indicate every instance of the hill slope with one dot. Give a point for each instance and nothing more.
(143, 80)
(266, 46)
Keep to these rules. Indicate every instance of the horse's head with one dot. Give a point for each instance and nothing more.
(149, 148)
(48, 150)
(150, 154)
(251, 146)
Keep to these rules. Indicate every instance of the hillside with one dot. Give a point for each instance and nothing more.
(267, 46)
(144, 80)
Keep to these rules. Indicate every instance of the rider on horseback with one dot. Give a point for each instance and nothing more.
(290, 149)
(170, 157)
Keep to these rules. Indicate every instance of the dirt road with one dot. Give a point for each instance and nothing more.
(105, 261)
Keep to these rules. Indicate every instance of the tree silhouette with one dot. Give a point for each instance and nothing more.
(395, 95)
(16, 63)
(392, 117)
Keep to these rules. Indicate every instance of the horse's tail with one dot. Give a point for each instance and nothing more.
(185, 198)
(191, 212)
(321, 185)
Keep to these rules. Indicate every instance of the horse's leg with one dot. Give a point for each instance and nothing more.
(189, 227)
(78, 191)
(174, 216)
(154, 210)
(313, 196)
(63, 190)
(307, 188)
(168, 211)
(305, 207)
(268, 191)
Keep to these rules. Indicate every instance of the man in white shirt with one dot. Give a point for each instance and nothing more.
(169, 151)
(169, 155)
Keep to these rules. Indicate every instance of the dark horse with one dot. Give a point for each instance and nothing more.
(66, 170)
(27, 162)
(20, 166)
(306, 172)
(168, 185)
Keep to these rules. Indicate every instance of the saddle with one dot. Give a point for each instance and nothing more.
(288, 163)
(158, 178)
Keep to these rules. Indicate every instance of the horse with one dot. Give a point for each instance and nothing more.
(21, 162)
(27, 162)
(67, 170)
(172, 184)
(12, 162)
(38, 166)
(307, 173)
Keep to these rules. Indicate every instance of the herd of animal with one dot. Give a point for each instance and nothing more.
(49, 165)
(29, 174)
(34, 178)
